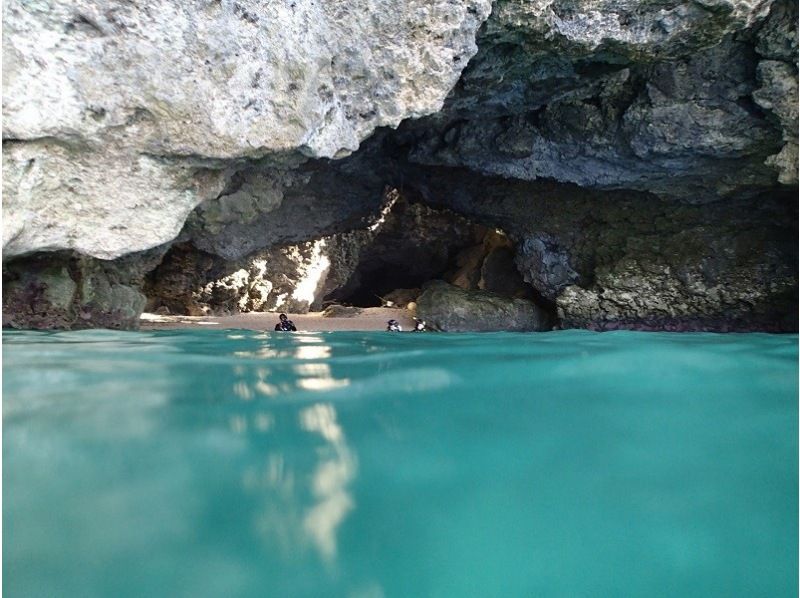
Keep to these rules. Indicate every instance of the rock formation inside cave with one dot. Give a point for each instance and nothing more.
(403, 246)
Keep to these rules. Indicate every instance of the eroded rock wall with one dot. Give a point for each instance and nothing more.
(64, 290)
(690, 100)
(633, 260)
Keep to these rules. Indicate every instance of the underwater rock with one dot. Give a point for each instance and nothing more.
(451, 309)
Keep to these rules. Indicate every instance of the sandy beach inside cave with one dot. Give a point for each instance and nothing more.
(371, 318)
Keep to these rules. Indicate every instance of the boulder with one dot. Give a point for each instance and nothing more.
(450, 309)
(341, 311)
(68, 291)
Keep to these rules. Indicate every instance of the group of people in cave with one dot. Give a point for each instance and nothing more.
(394, 326)
(286, 325)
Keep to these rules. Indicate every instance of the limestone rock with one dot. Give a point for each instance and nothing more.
(403, 243)
(778, 94)
(489, 266)
(105, 203)
(263, 206)
(448, 308)
(285, 278)
(545, 264)
(401, 298)
(650, 96)
(115, 101)
(408, 245)
(642, 156)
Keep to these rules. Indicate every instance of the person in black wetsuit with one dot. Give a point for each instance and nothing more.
(393, 326)
(285, 324)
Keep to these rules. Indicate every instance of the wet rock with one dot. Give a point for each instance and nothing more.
(448, 308)
(633, 260)
(41, 295)
(68, 291)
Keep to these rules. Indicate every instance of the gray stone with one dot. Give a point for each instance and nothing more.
(642, 156)
(629, 260)
(451, 309)
(655, 97)
(341, 311)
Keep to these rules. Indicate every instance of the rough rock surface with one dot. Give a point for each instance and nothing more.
(285, 278)
(777, 74)
(411, 244)
(264, 207)
(636, 261)
(489, 266)
(117, 109)
(68, 291)
(655, 96)
(449, 308)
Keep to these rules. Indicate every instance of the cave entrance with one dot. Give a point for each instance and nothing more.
(376, 282)
(413, 243)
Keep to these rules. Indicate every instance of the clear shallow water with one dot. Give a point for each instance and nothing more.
(235, 463)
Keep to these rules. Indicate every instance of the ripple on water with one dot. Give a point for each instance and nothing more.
(229, 462)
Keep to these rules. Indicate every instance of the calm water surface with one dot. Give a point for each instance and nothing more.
(235, 463)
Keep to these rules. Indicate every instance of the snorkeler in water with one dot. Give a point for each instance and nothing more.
(420, 325)
(393, 326)
(285, 324)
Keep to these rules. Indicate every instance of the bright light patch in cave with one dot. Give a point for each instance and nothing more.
(392, 196)
(318, 265)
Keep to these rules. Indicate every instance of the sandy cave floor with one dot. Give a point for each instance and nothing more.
(370, 318)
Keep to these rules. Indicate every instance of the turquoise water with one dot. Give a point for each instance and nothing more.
(235, 463)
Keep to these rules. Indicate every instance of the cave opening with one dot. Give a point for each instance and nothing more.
(416, 243)
(375, 283)
(405, 244)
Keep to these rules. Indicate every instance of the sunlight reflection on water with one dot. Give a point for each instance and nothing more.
(363, 464)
